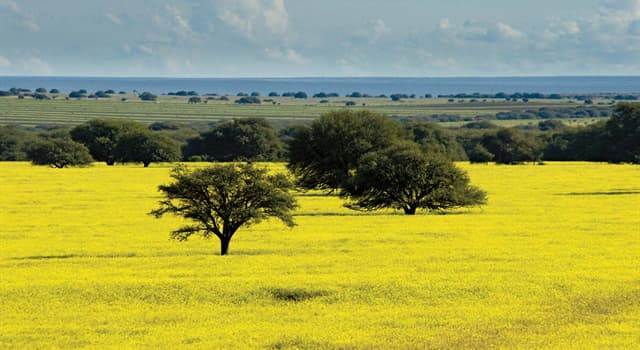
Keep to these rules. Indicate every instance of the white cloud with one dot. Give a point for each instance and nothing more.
(145, 49)
(380, 28)
(4, 62)
(177, 22)
(369, 33)
(276, 17)
(255, 20)
(114, 19)
(175, 65)
(36, 66)
(632, 7)
(473, 31)
(24, 18)
(287, 55)
(445, 24)
(10, 5)
(31, 25)
(507, 32)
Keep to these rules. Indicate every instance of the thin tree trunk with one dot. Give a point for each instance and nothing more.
(224, 245)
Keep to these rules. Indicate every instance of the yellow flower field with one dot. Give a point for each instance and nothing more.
(552, 261)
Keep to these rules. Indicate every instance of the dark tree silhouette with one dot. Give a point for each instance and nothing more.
(221, 199)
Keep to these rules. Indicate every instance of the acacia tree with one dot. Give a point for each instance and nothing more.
(403, 177)
(221, 199)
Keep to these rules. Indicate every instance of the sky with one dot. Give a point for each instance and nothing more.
(319, 38)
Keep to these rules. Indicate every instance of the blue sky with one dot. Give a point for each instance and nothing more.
(283, 38)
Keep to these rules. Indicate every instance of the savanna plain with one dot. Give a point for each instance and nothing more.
(551, 261)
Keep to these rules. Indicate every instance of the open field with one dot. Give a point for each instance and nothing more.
(553, 261)
(29, 112)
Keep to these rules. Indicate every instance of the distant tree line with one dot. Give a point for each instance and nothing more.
(255, 139)
(148, 96)
(579, 112)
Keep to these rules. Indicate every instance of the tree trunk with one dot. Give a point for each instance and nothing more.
(410, 210)
(111, 162)
(224, 245)
(146, 164)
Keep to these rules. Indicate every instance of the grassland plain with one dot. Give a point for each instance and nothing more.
(29, 112)
(552, 261)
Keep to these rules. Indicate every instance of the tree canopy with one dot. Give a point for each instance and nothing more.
(101, 137)
(623, 133)
(12, 143)
(146, 147)
(511, 146)
(218, 200)
(147, 96)
(323, 155)
(434, 139)
(58, 153)
(114, 141)
(403, 177)
(251, 139)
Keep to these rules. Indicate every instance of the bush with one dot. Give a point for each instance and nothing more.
(147, 96)
(248, 100)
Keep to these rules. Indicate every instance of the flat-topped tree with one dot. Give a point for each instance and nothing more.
(403, 177)
(218, 200)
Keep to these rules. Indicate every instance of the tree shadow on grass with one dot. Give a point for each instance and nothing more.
(604, 193)
(295, 295)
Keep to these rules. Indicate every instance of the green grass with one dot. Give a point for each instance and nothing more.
(30, 113)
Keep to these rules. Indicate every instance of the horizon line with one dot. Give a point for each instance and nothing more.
(326, 77)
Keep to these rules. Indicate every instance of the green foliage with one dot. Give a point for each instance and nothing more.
(101, 137)
(435, 140)
(147, 96)
(164, 125)
(252, 139)
(248, 100)
(511, 146)
(623, 133)
(59, 153)
(221, 199)
(616, 141)
(403, 177)
(323, 155)
(142, 146)
(12, 143)
(114, 141)
(551, 125)
(479, 154)
(586, 143)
